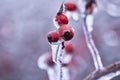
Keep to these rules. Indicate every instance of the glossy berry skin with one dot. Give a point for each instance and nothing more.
(49, 60)
(61, 19)
(69, 48)
(66, 32)
(70, 6)
(53, 36)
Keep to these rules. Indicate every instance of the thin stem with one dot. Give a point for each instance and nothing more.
(57, 51)
(95, 54)
(58, 58)
(60, 74)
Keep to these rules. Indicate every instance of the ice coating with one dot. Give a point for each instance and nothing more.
(110, 76)
(89, 22)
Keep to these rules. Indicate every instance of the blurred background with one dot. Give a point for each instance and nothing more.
(23, 28)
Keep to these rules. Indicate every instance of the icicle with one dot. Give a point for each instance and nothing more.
(57, 53)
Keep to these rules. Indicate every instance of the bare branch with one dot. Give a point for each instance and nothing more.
(107, 70)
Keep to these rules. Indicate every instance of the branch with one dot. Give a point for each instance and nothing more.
(91, 45)
(107, 70)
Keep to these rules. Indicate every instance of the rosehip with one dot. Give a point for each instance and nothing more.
(69, 48)
(53, 36)
(70, 6)
(49, 60)
(61, 19)
(66, 32)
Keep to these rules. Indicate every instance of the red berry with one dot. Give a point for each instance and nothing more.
(66, 32)
(70, 6)
(61, 19)
(53, 36)
(69, 48)
(49, 60)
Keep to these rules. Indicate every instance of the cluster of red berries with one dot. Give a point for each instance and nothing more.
(64, 31)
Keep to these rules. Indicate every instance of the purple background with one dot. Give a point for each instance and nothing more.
(23, 28)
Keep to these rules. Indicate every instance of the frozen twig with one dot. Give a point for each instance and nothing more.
(90, 42)
(58, 55)
(101, 73)
(95, 54)
(113, 68)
